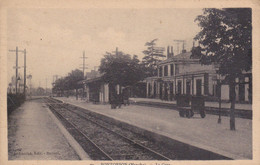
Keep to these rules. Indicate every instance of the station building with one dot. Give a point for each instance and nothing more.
(181, 74)
(98, 91)
(95, 89)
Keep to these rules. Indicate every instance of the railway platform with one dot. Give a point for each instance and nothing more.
(241, 110)
(212, 104)
(203, 133)
(34, 133)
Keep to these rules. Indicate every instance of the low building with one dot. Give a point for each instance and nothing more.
(95, 89)
(98, 91)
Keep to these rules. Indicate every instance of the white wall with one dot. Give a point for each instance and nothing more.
(87, 91)
(246, 92)
(106, 93)
(237, 92)
(224, 92)
(169, 70)
(202, 83)
(210, 85)
(101, 93)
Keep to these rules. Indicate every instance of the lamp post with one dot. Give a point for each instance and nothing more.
(18, 82)
(219, 98)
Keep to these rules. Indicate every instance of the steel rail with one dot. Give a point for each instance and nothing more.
(75, 127)
(122, 136)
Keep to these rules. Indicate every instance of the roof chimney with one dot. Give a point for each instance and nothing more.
(168, 52)
(172, 51)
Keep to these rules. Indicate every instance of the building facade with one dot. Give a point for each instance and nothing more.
(182, 74)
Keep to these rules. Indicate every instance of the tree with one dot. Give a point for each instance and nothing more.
(121, 69)
(73, 78)
(59, 86)
(152, 57)
(70, 82)
(226, 40)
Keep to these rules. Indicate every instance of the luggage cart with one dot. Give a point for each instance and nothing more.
(198, 105)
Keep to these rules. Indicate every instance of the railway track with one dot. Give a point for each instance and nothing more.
(106, 141)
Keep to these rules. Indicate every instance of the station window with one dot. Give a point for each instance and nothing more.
(188, 85)
(166, 70)
(176, 69)
(179, 85)
(172, 69)
(198, 87)
(160, 71)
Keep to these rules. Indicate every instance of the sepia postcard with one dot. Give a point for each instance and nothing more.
(143, 82)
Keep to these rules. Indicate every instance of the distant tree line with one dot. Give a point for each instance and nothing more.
(117, 68)
(70, 82)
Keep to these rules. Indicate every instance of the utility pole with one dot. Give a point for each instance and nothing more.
(46, 87)
(16, 68)
(177, 47)
(24, 89)
(180, 41)
(84, 65)
(55, 77)
(116, 51)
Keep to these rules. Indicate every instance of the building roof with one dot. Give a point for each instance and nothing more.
(185, 55)
(89, 80)
(179, 57)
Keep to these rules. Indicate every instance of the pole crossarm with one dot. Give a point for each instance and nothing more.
(22, 51)
(16, 67)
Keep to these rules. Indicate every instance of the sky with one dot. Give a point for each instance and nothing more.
(55, 38)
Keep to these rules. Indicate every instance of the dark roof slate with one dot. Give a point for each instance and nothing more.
(182, 56)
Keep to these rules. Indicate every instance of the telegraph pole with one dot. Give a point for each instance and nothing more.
(179, 41)
(55, 77)
(84, 65)
(16, 67)
(24, 89)
(46, 87)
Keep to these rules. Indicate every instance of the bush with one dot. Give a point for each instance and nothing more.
(14, 101)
